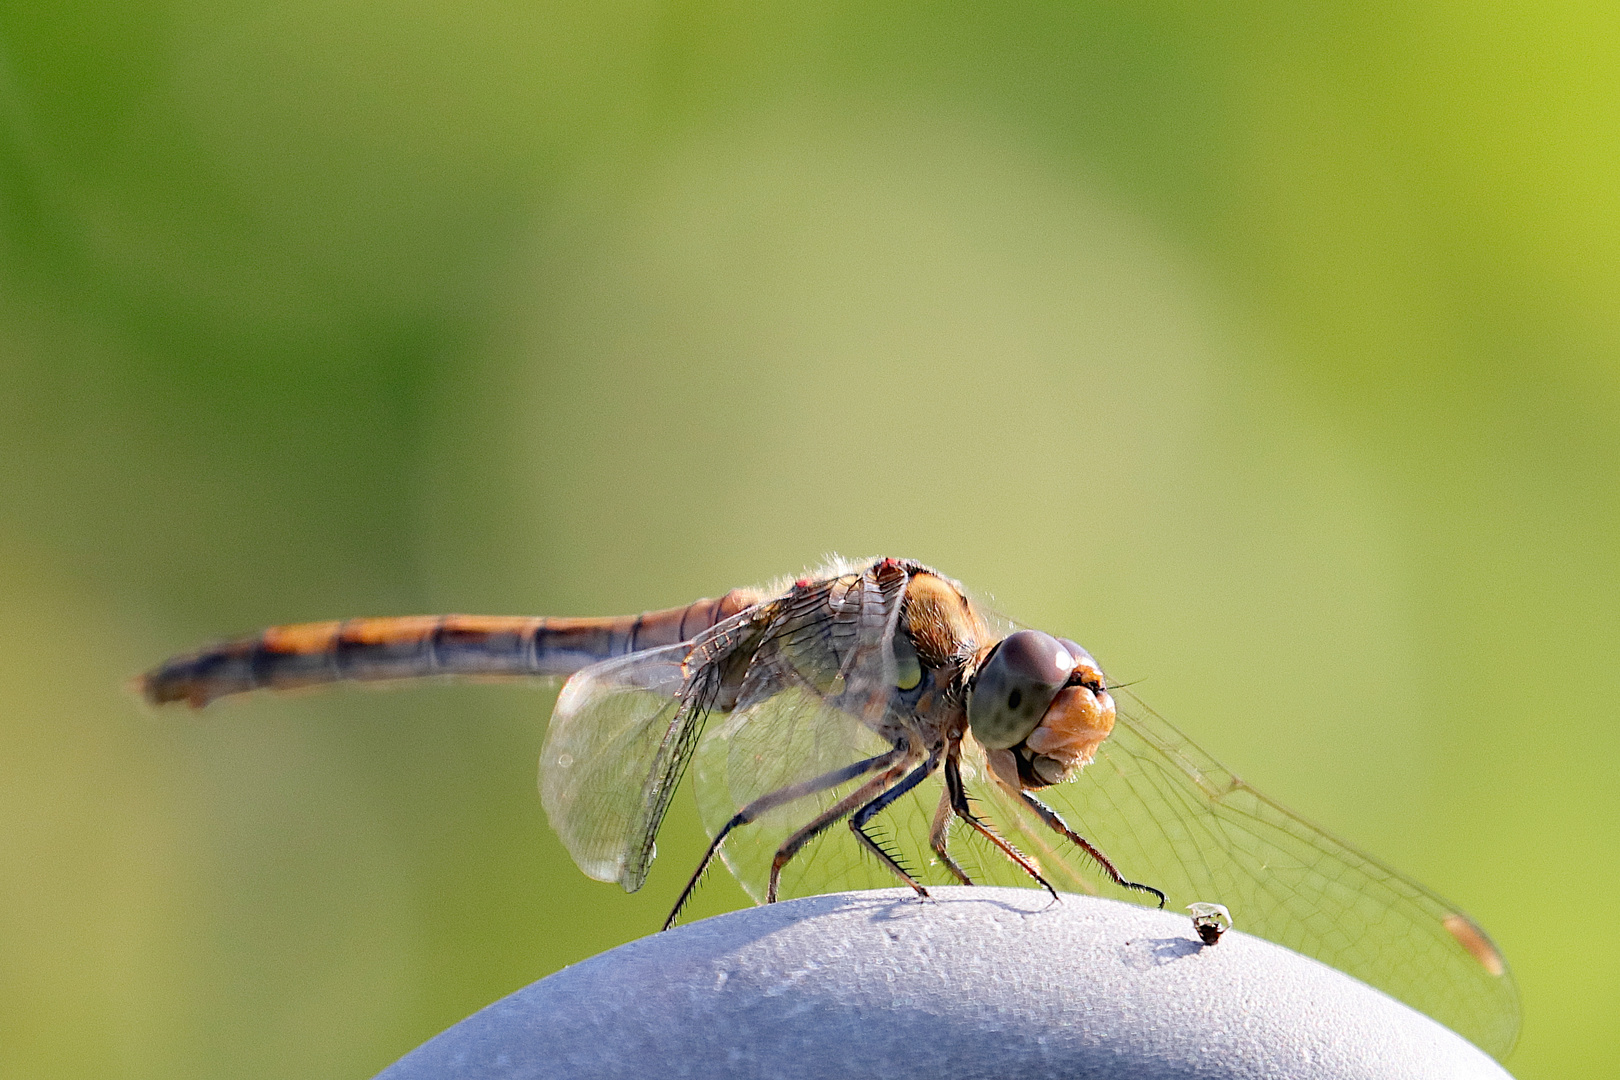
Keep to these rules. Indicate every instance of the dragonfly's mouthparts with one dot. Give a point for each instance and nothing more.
(1069, 734)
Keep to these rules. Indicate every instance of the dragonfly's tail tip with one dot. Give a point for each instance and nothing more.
(142, 686)
(157, 692)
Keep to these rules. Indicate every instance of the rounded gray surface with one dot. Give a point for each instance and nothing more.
(977, 982)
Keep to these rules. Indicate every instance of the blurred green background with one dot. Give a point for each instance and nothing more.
(1268, 349)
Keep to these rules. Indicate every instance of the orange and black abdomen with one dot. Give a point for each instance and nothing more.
(418, 646)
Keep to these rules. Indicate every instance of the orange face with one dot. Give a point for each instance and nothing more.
(1075, 724)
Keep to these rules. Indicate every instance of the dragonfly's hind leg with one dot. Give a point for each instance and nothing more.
(857, 824)
(793, 844)
(780, 797)
(1051, 818)
(956, 792)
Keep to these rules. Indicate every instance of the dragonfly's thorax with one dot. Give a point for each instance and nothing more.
(934, 711)
(941, 624)
(937, 638)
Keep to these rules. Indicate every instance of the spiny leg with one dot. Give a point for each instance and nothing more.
(939, 836)
(857, 824)
(770, 801)
(957, 793)
(793, 844)
(1050, 816)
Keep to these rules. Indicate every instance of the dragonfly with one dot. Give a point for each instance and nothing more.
(871, 723)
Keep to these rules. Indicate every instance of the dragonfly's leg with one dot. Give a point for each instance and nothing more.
(939, 837)
(861, 795)
(771, 801)
(857, 824)
(957, 793)
(1050, 816)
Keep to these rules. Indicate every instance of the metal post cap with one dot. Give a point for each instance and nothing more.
(977, 982)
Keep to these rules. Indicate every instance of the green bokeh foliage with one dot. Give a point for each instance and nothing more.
(1269, 349)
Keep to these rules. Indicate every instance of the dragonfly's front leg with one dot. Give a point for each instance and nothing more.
(956, 792)
(1057, 824)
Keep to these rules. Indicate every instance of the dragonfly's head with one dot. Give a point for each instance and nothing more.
(1039, 707)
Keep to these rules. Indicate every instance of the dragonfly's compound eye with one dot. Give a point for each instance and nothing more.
(1013, 688)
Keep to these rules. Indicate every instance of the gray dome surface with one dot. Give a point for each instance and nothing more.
(978, 982)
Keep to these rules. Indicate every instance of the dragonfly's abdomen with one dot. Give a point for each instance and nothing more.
(418, 646)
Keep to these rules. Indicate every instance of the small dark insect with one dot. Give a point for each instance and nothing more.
(1210, 921)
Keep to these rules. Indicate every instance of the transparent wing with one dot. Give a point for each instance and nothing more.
(620, 736)
(815, 700)
(624, 730)
(1171, 816)
(833, 637)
